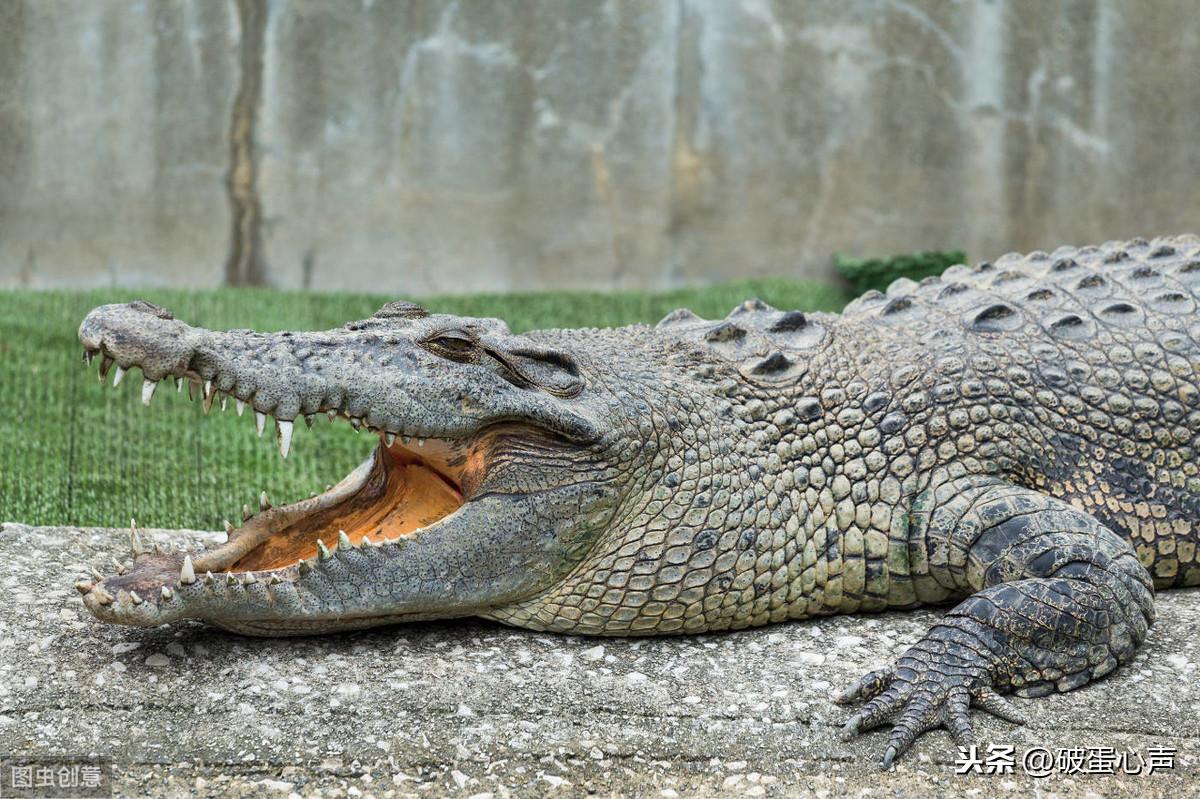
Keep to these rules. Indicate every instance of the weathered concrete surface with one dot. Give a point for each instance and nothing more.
(114, 144)
(442, 145)
(471, 708)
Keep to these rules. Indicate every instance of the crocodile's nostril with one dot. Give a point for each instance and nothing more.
(150, 308)
(401, 309)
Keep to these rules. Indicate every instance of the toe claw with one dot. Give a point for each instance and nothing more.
(918, 718)
(873, 714)
(889, 757)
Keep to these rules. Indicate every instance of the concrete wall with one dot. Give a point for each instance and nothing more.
(420, 147)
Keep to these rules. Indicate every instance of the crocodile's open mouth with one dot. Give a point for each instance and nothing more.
(407, 485)
(395, 493)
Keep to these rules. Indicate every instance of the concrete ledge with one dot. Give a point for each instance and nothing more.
(473, 708)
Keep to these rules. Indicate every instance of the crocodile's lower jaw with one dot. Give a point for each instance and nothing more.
(407, 485)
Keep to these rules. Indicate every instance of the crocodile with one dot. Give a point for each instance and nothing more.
(1015, 440)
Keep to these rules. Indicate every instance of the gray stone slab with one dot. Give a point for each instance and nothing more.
(471, 708)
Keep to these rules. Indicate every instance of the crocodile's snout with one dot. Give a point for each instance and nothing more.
(140, 333)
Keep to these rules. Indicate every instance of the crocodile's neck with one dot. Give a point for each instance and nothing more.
(787, 498)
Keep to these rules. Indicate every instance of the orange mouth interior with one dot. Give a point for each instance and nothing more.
(403, 493)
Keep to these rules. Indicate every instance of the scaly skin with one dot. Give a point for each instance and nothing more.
(1018, 437)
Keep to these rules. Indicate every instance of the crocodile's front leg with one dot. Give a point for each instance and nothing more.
(1054, 599)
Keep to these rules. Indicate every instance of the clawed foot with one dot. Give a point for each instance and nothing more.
(921, 694)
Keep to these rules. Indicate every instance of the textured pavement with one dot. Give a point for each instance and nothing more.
(473, 708)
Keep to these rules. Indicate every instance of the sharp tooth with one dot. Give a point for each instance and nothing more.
(313, 495)
(322, 550)
(308, 420)
(406, 439)
(344, 540)
(274, 580)
(240, 406)
(356, 423)
(264, 502)
(187, 575)
(209, 396)
(247, 514)
(229, 528)
(84, 587)
(283, 432)
(118, 375)
(105, 364)
(231, 579)
(260, 422)
(178, 384)
(148, 387)
(88, 355)
(133, 595)
(224, 402)
(209, 579)
(305, 567)
(208, 391)
(389, 438)
(366, 540)
(102, 596)
(167, 593)
(420, 442)
(192, 390)
(135, 540)
(331, 415)
(251, 579)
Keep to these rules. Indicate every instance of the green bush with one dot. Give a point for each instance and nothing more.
(878, 273)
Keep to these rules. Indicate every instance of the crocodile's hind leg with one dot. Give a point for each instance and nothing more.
(1054, 599)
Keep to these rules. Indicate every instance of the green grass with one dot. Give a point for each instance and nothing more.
(73, 452)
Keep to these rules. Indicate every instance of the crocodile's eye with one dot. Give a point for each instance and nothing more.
(457, 345)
